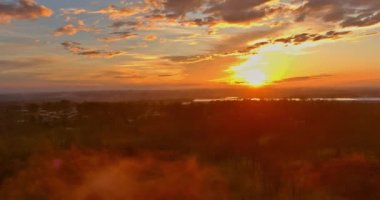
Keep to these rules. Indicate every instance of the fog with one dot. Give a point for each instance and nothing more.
(80, 175)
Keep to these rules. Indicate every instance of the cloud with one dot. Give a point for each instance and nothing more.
(150, 38)
(117, 36)
(179, 8)
(24, 63)
(213, 12)
(115, 12)
(189, 59)
(73, 11)
(206, 21)
(70, 29)
(306, 37)
(76, 48)
(303, 78)
(167, 75)
(251, 49)
(234, 45)
(210, 56)
(363, 20)
(347, 13)
(129, 24)
(243, 11)
(23, 9)
(238, 41)
(121, 74)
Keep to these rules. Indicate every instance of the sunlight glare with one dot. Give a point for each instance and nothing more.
(253, 77)
(249, 73)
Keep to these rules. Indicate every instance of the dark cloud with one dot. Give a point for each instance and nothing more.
(22, 9)
(167, 75)
(128, 24)
(348, 13)
(250, 48)
(190, 59)
(179, 8)
(206, 21)
(76, 48)
(215, 11)
(367, 19)
(306, 37)
(243, 11)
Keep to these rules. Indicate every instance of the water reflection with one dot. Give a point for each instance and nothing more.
(340, 99)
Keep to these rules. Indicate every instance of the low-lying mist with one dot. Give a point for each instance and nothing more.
(89, 175)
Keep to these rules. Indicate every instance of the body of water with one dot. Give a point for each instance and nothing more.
(342, 99)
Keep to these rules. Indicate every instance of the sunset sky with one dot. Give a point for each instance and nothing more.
(158, 44)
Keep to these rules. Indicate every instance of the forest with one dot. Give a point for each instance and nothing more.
(169, 150)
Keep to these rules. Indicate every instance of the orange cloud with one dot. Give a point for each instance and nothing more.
(76, 48)
(23, 9)
(115, 12)
(118, 74)
(302, 78)
(70, 29)
(150, 38)
(250, 49)
(117, 36)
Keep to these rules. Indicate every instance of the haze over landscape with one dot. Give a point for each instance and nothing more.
(189, 100)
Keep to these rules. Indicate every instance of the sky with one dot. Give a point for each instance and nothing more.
(51, 45)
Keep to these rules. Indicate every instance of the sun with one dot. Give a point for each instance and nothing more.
(258, 70)
(253, 77)
(249, 73)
